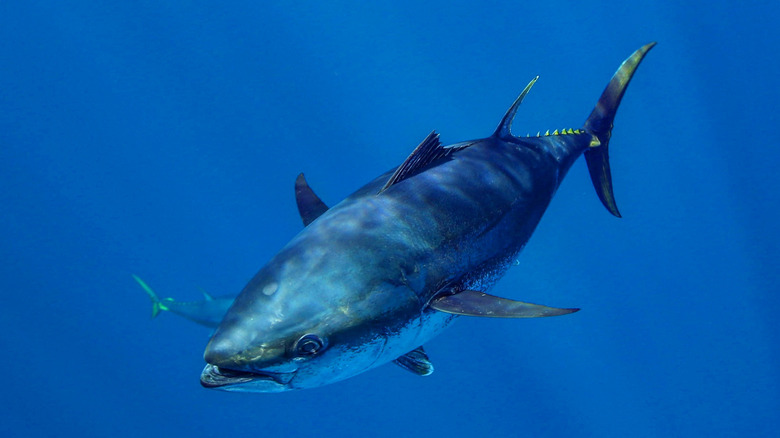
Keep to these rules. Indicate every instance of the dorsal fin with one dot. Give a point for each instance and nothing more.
(310, 206)
(423, 155)
(504, 129)
(207, 296)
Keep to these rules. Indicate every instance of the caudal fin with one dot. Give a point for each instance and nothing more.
(157, 304)
(599, 124)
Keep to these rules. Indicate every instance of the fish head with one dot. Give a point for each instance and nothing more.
(303, 328)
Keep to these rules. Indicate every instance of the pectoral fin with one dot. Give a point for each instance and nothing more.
(416, 361)
(310, 206)
(475, 303)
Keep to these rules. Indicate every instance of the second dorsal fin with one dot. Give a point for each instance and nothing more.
(504, 129)
(423, 155)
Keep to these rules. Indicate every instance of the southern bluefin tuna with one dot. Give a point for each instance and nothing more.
(374, 277)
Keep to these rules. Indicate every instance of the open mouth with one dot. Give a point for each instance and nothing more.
(215, 377)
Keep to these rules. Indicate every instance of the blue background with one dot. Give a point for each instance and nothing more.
(163, 138)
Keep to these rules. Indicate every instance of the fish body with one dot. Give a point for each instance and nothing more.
(208, 312)
(374, 277)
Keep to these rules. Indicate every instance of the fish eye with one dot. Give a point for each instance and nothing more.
(309, 345)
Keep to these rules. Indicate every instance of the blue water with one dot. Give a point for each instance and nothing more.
(163, 139)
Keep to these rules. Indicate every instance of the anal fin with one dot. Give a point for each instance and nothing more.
(416, 361)
(475, 303)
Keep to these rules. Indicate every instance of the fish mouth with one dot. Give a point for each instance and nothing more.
(214, 377)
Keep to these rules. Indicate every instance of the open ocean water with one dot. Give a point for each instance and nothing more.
(163, 138)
